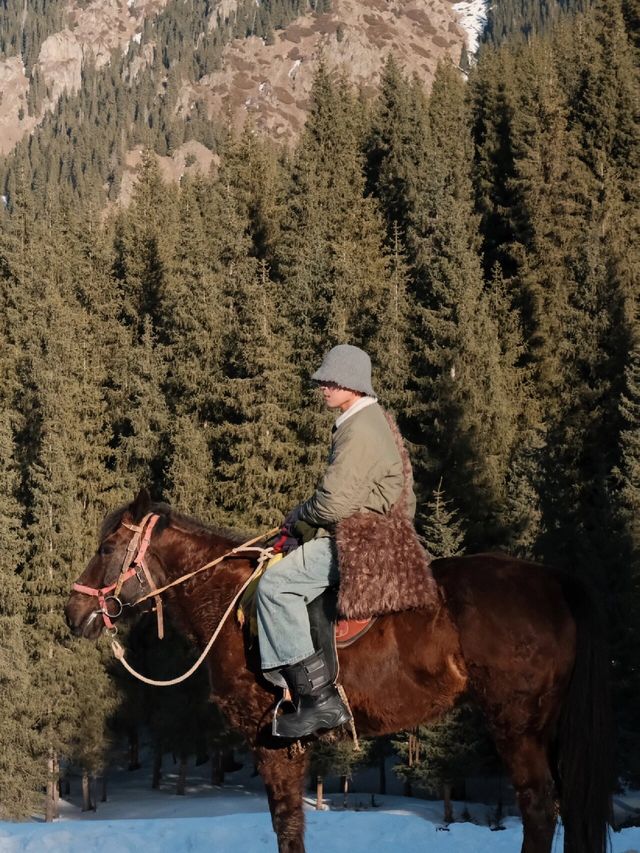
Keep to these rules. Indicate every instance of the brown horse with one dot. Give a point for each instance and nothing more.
(525, 642)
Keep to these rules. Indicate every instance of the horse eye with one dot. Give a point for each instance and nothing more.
(104, 550)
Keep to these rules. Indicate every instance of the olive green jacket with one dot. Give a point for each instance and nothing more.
(364, 473)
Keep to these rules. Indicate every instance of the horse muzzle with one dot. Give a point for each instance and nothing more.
(83, 618)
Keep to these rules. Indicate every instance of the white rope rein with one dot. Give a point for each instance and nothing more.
(119, 652)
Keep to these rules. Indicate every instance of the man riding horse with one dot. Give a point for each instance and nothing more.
(365, 474)
(526, 642)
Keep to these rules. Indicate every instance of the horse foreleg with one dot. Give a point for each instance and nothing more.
(527, 761)
(283, 774)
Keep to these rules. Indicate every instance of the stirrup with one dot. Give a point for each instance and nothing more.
(286, 697)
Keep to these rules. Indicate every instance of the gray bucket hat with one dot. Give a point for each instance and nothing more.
(347, 366)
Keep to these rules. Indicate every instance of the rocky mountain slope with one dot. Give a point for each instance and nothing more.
(268, 78)
(95, 29)
(272, 82)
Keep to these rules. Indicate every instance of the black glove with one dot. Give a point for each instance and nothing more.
(304, 532)
(287, 540)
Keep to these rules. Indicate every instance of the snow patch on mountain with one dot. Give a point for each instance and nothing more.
(472, 17)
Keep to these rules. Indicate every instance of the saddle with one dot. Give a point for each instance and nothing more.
(330, 633)
(327, 631)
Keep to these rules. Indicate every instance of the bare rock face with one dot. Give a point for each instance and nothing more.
(105, 25)
(273, 82)
(96, 30)
(223, 9)
(14, 119)
(60, 64)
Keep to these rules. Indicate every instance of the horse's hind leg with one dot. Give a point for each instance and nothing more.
(527, 761)
(283, 774)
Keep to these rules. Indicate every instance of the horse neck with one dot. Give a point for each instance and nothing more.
(189, 550)
(198, 604)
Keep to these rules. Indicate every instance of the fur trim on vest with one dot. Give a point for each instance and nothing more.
(383, 566)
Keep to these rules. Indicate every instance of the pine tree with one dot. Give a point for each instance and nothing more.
(142, 425)
(389, 347)
(466, 387)
(626, 589)
(145, 240)
(583, 451)
(440, 756)
(442, 530)
(491, 93)
(190, 474)
(396, 147)
(253, 166)
(21, 763)
(258, 472)
(337, 758)
(604, 97)
(339, 282)
(63, 445)
(551, 189)
(194, 322)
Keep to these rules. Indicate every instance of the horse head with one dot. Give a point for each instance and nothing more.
(125, 569)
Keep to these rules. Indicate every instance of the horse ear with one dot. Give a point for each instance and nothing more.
(141, 504)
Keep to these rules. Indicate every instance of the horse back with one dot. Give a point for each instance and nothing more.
(495, 596)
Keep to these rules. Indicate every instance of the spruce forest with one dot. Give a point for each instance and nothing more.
(480, 241)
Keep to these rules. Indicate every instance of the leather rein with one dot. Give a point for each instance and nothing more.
(134, 565)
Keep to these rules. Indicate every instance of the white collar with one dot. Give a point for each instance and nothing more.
(362, 403)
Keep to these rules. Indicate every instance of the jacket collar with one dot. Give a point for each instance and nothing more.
(362, 403)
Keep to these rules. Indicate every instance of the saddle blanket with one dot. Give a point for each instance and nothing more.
(347, 631)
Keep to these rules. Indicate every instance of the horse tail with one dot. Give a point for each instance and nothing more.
(584, 745)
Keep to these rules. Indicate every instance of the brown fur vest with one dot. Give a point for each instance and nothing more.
(383, 566)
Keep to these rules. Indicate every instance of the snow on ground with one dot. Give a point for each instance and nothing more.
(235, 819)
(472, 17)
(342, 832)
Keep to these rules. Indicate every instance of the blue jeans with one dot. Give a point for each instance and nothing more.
(283, 594)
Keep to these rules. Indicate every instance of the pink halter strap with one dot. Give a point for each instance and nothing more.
(132, 563)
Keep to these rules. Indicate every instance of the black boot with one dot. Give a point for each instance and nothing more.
(318, 703)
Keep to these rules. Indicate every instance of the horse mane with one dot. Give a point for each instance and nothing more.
(185, 522)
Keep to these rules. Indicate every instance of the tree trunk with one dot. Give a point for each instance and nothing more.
(181, 784)
(52, 787)
(56, 788)
(202, 754)
(319, 792)
(156, 775)
(103, 792)
(408, 791)
(87, 804)
(382, 766)
(448, 808)
(344, 787)
(229, 763)
(134, 750)
(217, 768)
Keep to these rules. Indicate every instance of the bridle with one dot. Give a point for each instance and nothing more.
(133, 565)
